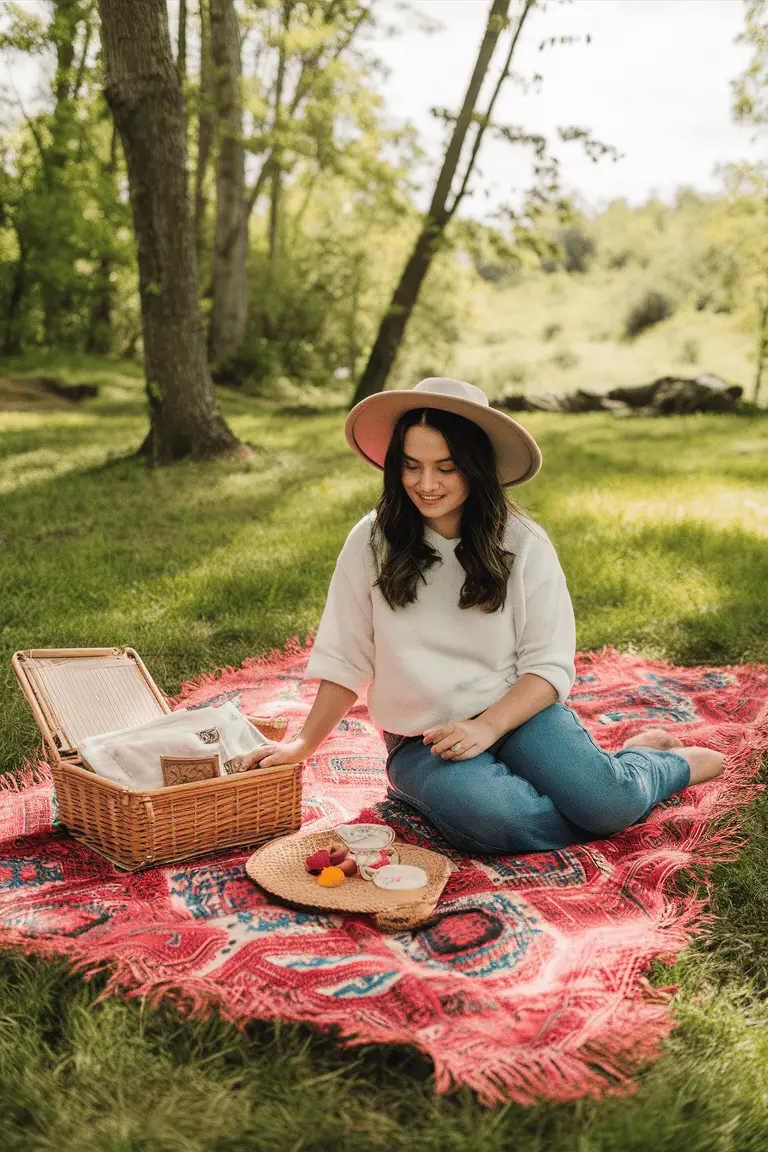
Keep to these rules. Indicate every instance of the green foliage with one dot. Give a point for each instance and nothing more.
(662, 539)
(750, 90)
(64, 230)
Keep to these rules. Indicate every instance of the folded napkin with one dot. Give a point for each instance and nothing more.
(132, 756)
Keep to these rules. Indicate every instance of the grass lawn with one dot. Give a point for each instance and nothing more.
(662, 529)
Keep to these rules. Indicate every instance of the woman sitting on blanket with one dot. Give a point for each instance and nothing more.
(450, 606)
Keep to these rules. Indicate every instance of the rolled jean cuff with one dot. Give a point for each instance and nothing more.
(679, 770)
(665, 772)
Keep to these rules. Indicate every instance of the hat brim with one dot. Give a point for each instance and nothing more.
(369, 426)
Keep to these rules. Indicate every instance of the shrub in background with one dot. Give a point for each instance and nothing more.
(578, 249)
(564, 358)
(650, 308)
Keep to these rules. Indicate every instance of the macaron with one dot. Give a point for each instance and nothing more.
(331, 877)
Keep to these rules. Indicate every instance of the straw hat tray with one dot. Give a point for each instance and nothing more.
(279, 868)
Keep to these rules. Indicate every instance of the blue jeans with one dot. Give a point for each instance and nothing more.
(544, 785)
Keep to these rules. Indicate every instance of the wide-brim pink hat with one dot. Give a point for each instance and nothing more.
(370, 424)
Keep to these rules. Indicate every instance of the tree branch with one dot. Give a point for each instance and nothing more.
(32, 127)
(303, 87)
(80, 73)
(485, 119)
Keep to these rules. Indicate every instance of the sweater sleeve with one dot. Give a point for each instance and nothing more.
(343, 650)
(547, 644)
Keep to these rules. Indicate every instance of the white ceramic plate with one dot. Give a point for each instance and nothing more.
(399, 877)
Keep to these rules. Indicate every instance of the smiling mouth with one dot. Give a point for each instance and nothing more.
(430, 499)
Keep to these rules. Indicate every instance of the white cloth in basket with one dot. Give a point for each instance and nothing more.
(131, 756)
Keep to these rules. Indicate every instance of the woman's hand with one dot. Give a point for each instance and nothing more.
(473, 736)
(275, 752)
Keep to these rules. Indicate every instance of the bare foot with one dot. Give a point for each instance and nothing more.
(704, 763)
(657, 738)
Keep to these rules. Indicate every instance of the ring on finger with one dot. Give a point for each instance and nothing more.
(456, 747)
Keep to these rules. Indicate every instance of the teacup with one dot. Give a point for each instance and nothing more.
(365, 837)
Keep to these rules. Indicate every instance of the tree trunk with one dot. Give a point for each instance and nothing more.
(276, 176)
(762, 347)
(143, 88)
(68, 16)
(206, 126)
(392, 328)
(229, 311)
(181, 58)
(99, 338)
(12, 339)
(276, 182)
(353, 345)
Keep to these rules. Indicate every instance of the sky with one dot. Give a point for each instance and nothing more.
(654, 82)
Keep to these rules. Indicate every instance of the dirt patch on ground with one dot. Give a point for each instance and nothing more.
(30, 396)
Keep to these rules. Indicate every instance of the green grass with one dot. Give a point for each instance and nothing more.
(661, 527)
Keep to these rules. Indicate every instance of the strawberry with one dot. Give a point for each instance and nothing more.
(318, 861)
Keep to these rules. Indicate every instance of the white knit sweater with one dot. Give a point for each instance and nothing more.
(432, 661)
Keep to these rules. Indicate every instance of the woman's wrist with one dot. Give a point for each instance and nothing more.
(531, 694)
(308, 747)
(331, 704)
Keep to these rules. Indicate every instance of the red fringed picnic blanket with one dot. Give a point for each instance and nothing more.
(529, 983)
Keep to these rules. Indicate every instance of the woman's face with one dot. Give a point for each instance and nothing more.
(431, 479)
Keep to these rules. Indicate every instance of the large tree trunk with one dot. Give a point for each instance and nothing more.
(143, 88)
(229, 311)
(392, 328)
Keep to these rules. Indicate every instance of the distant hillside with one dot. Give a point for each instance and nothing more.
(699, 265)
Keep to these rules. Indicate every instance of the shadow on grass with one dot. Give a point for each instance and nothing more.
(692, 590)
(669, 448)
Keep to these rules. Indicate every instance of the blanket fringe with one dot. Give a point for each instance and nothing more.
(35, 774)
(293, 647)
(624, 1025)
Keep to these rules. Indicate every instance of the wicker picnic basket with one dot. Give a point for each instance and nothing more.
(81, 692)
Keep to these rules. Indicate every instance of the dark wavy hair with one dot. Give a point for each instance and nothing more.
(400, 549)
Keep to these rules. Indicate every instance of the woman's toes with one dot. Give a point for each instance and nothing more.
(657, 738)
(704, 763)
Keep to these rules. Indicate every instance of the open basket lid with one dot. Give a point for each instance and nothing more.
(79, 692)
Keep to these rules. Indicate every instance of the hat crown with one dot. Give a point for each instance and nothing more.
(446, 386)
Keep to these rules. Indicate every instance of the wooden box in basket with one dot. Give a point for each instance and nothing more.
(82, 692)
